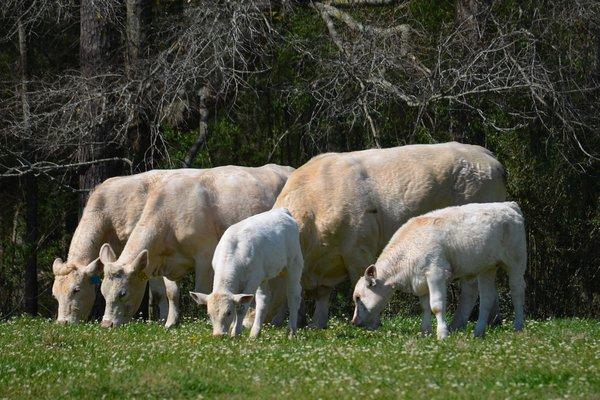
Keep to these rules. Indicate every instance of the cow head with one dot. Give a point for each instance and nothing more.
(123, 285)
(74, 289)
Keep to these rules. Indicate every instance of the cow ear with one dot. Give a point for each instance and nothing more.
(57, 266)
(243, 298)
(199, 298)
(107, 255)
(371, 275)
(141, 263)
(94, 268)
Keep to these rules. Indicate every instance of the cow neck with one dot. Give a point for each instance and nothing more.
(87, 239)
(144, 237)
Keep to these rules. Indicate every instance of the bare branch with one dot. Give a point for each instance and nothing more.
(47, 166)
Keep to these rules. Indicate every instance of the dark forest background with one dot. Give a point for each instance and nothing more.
(96, 88)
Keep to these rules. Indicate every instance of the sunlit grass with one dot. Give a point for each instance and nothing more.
(550, 359)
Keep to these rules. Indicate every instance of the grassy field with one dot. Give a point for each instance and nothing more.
(551, 359)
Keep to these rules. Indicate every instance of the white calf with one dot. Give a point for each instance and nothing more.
(452, 243)
(249, 254)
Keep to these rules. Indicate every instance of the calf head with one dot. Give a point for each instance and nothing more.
(74, 289)
(222, 307)
(370, 298)
(123, 286)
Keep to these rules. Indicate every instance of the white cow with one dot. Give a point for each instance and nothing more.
(178, 230)
(452, 243)
(250, 254)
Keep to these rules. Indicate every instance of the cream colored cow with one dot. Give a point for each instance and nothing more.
(348, 205)
(179, 229)
(110, 215)
(452, 243)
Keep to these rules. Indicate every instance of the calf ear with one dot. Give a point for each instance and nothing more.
(94, 268)
(107, 255)
(371, 275)
(199, 298)
(243, 298)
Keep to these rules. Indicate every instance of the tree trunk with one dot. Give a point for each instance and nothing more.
(202, 127)
(139, 18)
(96, 45)
(31, 237)
(96, 51)
(29, 186)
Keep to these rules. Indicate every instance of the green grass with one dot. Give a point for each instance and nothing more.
(550, 359)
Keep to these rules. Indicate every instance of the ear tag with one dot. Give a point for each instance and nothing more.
(95, 280)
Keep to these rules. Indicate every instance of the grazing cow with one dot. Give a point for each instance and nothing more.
(179, 229)
(456, 242)
(348, 206)
(110, 215)
(248, 257)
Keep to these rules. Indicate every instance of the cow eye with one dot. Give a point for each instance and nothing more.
(76, 289)
(122, 293)
(228, 313)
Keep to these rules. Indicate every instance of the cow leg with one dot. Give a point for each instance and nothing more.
(153, 299)
(466, 302)
(436, 281)
(322, 302)
(163, 308)
(426, 321)
(302, 314)
(203, 275)
(158, 300)
(172, 289)
(487, 296)
(262, 301)
(294, 294)
(279, 318)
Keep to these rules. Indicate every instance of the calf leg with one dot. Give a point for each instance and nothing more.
(436, 281)
(466, 302)
(495, 318)
(173, 294)
(487, 297)
(426, 321)
(517, 293)
(262, 299)
(321, 315)
(240, 313)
